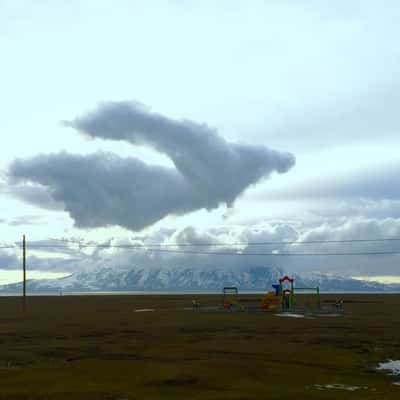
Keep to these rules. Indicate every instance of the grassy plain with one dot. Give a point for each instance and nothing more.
(97, 347)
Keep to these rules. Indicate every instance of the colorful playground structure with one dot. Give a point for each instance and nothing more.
(282, 298)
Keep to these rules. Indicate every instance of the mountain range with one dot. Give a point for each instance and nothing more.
(256, 278)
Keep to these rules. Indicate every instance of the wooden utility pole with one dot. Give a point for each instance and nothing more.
(23, 273)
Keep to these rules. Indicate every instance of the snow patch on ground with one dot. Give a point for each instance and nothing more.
(292, 315)
(391, 365)
(340, 386)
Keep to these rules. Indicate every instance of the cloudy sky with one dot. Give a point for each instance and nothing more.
(183, 121)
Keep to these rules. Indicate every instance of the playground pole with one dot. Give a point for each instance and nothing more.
(292, 302)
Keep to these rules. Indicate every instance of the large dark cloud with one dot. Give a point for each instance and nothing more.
(35, 194)
(103, 189)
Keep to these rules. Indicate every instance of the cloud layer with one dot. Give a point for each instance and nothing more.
(375, 183)
(180, 248)
(103, 189)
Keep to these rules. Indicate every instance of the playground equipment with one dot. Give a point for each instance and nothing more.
(281, 299)
(230, 298)
(285, 295)
(270, 301)
(310, 298)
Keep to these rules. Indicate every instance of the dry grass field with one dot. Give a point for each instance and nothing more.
(97, 347)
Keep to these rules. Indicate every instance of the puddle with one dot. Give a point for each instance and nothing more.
(340, 386)
(290, 315)
(144, 309)
(391, 366)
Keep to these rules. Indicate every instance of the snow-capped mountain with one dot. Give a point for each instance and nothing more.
(190, 279)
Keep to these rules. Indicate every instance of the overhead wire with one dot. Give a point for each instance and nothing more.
(221, 244)
(174, 248)
(217, 253)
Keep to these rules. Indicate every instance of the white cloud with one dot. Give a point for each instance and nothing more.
(189, 242)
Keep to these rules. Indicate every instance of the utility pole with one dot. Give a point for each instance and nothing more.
(23, 273)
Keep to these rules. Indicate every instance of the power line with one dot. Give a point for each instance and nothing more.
(211, 244)
(166, 248)
(205, 244)
(279, 254)
(224, 253)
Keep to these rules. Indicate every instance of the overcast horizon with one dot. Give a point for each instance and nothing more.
(184, 123)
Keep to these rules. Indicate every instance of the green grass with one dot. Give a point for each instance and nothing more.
(96, 347)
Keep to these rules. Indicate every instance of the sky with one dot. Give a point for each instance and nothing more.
(162, 121)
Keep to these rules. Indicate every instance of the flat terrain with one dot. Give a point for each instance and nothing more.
(97, 347)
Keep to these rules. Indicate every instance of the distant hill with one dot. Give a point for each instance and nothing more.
(256, 278)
